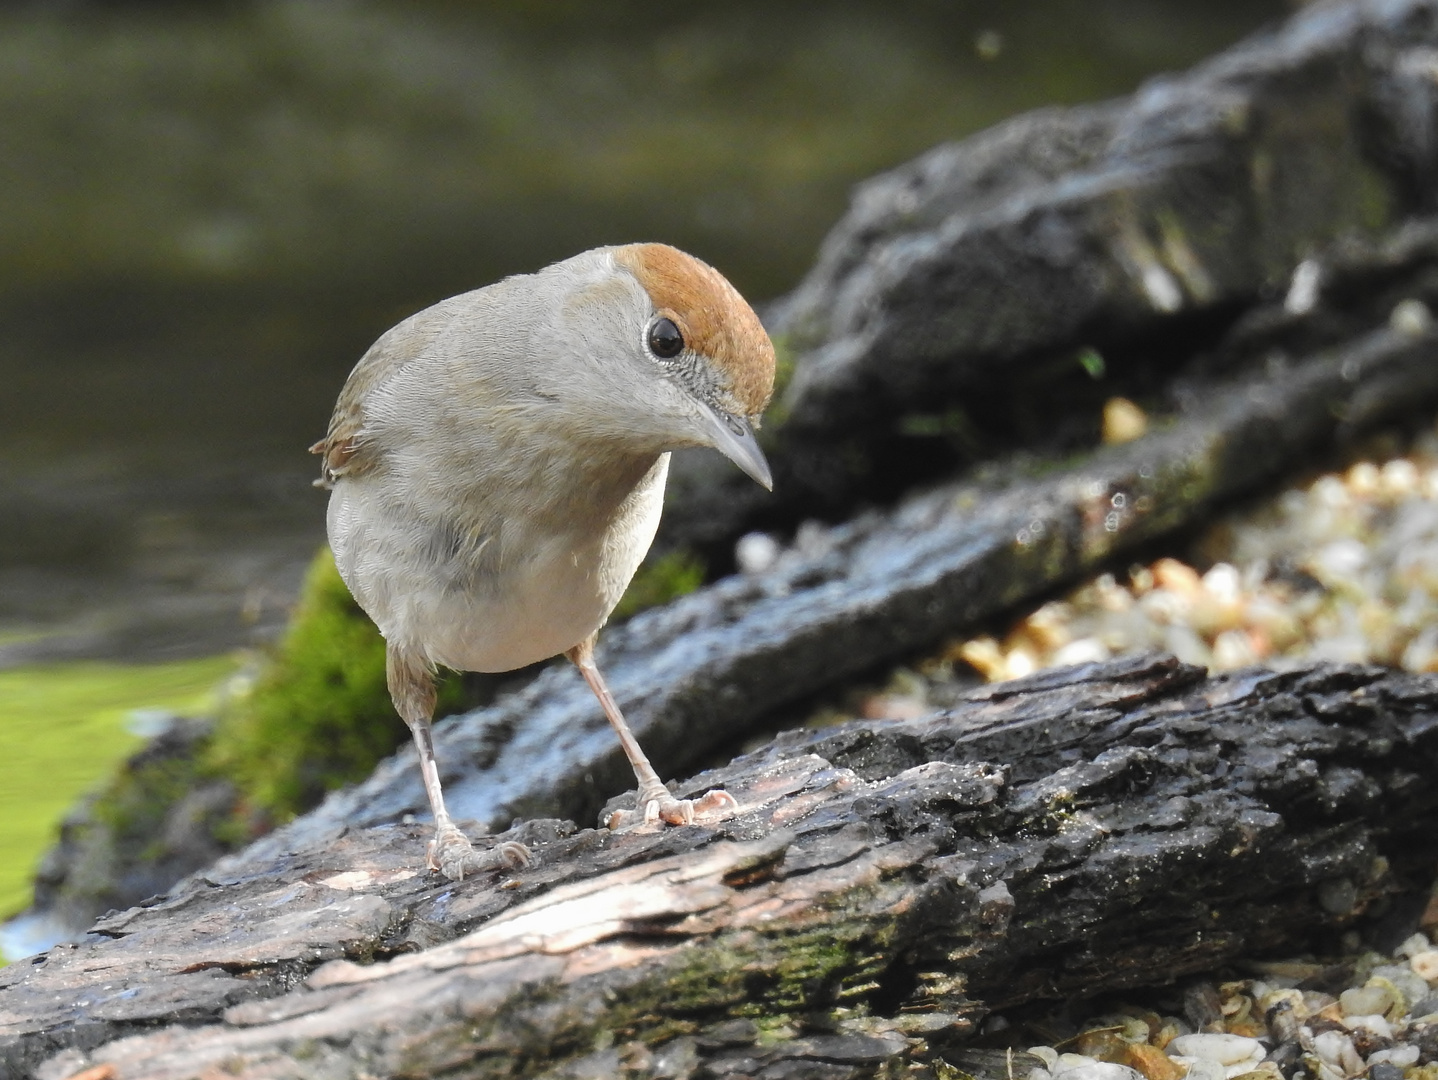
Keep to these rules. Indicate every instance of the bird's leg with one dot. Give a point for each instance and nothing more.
(411, 685)
(655, 802)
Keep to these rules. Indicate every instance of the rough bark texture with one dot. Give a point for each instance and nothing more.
(881, 886)
(695, 677)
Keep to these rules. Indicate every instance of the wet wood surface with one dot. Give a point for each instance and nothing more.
(700, 674)
(881, 887)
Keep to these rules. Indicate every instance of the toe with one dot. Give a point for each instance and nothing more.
(717, 801)
(677, 812)
(617, 820)
(451, 853)
(715, 804)
(455, 859)
(513, 855)
(448, 851)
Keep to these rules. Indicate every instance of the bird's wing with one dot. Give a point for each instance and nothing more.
(345, 449)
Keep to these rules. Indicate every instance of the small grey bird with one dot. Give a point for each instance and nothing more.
(497, 465)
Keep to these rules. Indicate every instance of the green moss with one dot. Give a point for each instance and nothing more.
(778, 979)
(319, 715)
(64, 729)
(661, 579)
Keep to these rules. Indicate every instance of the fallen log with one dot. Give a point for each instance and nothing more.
(700, 675)
(697, 676)
(880, 888)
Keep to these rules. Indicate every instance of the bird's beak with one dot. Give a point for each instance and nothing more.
(734, 438)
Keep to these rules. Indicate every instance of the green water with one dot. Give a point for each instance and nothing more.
(62, 729)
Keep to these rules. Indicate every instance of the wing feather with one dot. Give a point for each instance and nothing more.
(346, 449)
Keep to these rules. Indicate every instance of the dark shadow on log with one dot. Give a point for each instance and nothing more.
(882, 885)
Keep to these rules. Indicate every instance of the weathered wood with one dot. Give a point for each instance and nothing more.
(881, 886)
(695, 676)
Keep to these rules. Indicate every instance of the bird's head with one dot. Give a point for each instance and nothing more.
(680, 359)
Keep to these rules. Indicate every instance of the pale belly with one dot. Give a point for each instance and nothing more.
(476, 613)
(551, 606)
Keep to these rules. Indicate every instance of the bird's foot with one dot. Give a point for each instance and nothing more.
(660, 805)
(451, 853)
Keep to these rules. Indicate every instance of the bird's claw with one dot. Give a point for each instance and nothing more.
(656, 807)
(451, 853)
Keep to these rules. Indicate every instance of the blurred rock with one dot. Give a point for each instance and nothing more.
(953, 313)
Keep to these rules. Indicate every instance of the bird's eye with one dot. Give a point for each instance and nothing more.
(665, 340)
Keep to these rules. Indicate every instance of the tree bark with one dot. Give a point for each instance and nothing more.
(881, 886)
(700, 674)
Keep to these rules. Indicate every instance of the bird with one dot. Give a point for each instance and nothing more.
(496, 466)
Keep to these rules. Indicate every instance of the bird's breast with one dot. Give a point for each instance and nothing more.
(488, 587)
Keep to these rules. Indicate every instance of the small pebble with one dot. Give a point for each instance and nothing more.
(1365, 1001)
(1203, 1069)
(1225, 1049)
(1303, 287)
(1244, 1070)
(1378, 1025)
(1411, 317)
(756, 552)
(1152, 1062)
(1104, 1044)
(1047, 1054)
(1123, 421)
(1425, 965)
(1399, 1056)
(1336, 1049)
(1098, 1070)
(1084, 651)
(1407, 986)
(1413, 946)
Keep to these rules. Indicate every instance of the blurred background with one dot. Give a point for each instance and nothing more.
(209, 210)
